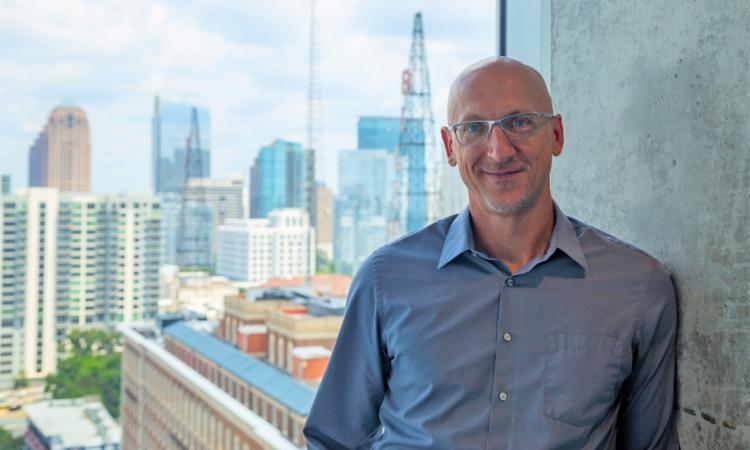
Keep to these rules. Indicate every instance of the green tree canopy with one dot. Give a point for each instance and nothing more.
(92, 367)
(8, 442)
(89, 342)
(21, 380)
(323, 265)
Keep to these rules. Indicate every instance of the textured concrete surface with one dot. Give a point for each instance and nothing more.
(655, 98)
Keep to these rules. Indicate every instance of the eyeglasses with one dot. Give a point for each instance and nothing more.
(516, 127)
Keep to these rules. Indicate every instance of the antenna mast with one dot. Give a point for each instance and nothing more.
(421, 194)
(313, 107)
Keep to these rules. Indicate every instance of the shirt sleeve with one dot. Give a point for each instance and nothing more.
(646, 419)
(345, 412)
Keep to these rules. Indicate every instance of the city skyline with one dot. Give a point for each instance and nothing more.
(246, 63)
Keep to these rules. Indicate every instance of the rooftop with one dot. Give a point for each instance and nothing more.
(274, 382)
(311, 352)
(328, 285)
(145, 337)
(78, 422)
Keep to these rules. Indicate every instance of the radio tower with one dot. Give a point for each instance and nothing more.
(419, 199)
(194, 228)
(313, 105)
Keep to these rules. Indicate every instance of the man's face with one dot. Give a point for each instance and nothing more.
(503, 177)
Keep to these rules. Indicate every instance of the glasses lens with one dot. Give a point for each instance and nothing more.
(471, 132)
(521, 125)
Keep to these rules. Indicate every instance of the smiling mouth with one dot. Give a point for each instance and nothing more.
(503, 174)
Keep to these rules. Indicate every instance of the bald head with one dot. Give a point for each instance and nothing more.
(496, 71)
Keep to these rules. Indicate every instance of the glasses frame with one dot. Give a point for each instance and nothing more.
(499, 122)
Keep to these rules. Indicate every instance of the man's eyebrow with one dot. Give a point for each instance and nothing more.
(473, 117)
(470, 118)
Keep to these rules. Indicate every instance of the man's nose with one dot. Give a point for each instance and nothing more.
(499, 146)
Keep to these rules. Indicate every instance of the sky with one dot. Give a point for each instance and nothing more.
(246, 60)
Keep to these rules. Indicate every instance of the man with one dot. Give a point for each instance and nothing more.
(511, 325)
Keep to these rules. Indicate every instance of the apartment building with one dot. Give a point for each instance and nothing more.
(71, 260)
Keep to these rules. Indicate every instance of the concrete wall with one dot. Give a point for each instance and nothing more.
(655, 97)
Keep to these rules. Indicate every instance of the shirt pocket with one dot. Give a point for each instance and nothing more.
(583, 373)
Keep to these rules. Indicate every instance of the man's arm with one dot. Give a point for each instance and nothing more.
(345, 411)
(646, 419)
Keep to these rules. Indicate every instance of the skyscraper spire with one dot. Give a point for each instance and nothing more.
(420, 185)
(193, 238)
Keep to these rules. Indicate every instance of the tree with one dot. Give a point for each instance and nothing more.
(8, 442)
(91, 367)
(20, 381)
(323, 265)
(89, 342)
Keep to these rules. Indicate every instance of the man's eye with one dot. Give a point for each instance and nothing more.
(473, 128)
(519, 123)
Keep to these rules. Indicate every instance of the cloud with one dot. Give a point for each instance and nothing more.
(247, 61)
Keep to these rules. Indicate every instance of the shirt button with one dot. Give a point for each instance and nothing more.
(502, 396)
(509, 282)
(507, 337)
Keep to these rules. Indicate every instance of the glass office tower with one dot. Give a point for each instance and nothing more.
(171, 129)
(277, 178)
(375, 133)
(361, 211)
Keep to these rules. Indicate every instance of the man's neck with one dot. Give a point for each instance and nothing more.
(514, 239)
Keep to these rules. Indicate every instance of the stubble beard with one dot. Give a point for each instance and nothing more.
(505, 209)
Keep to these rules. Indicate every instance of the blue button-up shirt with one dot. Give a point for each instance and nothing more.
(443, 348)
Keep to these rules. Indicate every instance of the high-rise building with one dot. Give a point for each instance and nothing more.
(362, 207)
(223, 197)
(197, 219)
(324, 226)
(278, 178)
(254, 250)
(61, 154)
(378, 133)
(6, 187)
(71, 260)
(70, 424)
(199, 392)
(171, 131)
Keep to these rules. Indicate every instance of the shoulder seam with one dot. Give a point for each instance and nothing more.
(612, 239)
(638, 326)
(377, 291)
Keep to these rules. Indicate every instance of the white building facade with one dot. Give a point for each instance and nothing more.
(199, 292)
(71, 261)
(255, 250)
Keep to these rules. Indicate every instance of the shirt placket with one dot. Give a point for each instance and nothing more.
(502, 401)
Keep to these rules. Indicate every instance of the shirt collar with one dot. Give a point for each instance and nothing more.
(460, 239)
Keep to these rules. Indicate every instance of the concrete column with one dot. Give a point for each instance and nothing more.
(655, 98)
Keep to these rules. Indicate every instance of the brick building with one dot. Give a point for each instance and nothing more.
(263, 389)
(167, 404)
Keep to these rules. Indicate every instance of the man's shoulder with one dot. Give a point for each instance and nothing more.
(421, 246)
(602, 246)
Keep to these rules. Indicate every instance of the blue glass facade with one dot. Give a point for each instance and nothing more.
(361, 210)
(375, 133)
(277, 178)
(412, 147)
(171, 127)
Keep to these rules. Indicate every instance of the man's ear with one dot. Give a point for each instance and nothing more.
(558, 135)
(445, 134)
